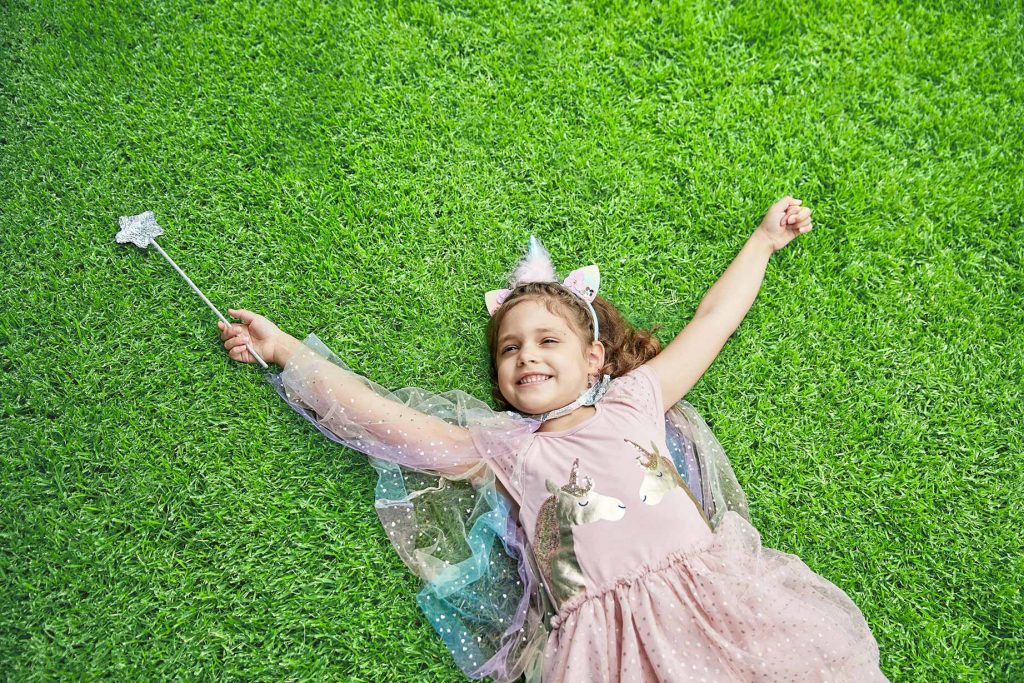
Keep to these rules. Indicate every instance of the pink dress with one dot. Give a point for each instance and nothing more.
(644, 589)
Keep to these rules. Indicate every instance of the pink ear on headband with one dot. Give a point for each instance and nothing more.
(495, 298)
(584, 282)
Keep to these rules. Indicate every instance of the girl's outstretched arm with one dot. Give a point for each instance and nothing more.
(345, 402)
(686, 358)
(355, 411)
(354, 408)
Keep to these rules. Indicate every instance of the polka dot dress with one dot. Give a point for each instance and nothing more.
(646, 590)
(646, 587)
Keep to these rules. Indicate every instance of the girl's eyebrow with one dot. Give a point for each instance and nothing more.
(537, 331)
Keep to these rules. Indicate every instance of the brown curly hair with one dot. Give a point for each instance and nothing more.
(626, 347)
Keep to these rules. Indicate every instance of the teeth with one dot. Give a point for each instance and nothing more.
(535, 379)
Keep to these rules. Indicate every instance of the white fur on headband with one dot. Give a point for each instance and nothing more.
(536, 266)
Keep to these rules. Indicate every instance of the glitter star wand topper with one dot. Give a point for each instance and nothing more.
(142, 231)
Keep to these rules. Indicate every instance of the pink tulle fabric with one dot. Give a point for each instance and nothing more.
(728, 610)
(665, 582)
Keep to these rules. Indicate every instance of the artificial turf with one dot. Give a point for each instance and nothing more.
(366, 171)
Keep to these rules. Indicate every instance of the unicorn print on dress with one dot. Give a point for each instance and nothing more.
(568, 506)
(660, 475)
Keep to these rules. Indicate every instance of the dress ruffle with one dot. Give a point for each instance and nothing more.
(749, 613)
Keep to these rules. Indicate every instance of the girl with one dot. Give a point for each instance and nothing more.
(593, 531)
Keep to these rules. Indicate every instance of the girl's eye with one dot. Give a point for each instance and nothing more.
(506, 349)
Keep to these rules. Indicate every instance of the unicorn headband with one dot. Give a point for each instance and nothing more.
(536, 267)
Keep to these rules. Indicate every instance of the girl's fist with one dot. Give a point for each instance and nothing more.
(256, 330)
(785, 220)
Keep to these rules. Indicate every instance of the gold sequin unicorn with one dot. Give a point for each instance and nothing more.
(660, 476)
(568, 506)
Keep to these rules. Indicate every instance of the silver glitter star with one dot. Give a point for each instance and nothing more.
(139, 229)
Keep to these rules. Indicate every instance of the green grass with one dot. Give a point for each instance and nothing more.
(366, 172)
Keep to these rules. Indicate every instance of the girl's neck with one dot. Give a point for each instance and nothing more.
(558, 424)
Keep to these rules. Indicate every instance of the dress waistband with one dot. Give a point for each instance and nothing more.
(577, 601)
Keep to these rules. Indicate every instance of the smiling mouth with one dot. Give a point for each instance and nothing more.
(530, 381)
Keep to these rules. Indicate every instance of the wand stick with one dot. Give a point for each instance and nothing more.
(142, 231)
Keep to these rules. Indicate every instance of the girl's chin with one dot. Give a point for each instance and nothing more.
(538, 407)
(530, 401)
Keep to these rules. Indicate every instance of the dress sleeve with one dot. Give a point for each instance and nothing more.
(448, 433)
(641, 389)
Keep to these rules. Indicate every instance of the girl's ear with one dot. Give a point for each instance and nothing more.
(596, 357)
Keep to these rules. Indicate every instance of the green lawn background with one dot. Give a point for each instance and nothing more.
(366, 171)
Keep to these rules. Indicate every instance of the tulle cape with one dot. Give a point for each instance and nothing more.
(452, 522)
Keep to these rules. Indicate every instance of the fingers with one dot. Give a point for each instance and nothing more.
(797, 218)
(240, 340)
(235, 340)
(783, 203)
(797, 215)
(237, 350)
(227, 332)
(242, 314)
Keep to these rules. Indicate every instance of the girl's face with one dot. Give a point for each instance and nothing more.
(534, 341)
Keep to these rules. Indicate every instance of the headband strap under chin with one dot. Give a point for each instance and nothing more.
(589, 397)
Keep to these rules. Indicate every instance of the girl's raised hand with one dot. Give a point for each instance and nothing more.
(785, 220)
(255, 329)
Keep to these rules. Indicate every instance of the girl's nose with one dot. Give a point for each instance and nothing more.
(526, 355)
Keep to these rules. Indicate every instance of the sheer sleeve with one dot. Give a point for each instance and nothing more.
(413, 427)
(449, 433)
(437, 498)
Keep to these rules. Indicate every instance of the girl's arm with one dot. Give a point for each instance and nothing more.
(733, 294)
(682, 363)
(368, 418)
(685, 359)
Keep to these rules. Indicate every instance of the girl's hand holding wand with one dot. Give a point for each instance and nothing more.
(785, 220)
(266, 337)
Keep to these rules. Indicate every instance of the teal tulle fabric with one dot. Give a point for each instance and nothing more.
(445, 512)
